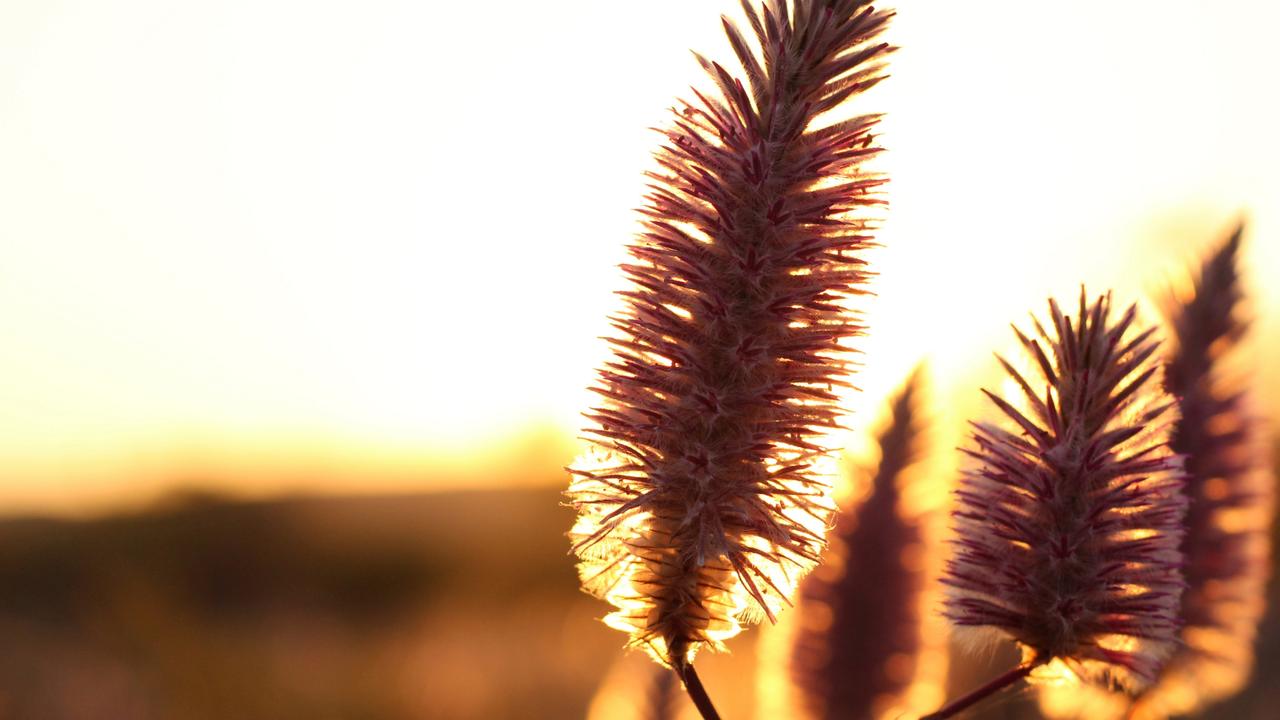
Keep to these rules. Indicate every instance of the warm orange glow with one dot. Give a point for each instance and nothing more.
(232, 249)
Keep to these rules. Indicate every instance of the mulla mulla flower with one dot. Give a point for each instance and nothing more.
(855, 649)
(1069, 523)
(705, 497)
(1229, 496)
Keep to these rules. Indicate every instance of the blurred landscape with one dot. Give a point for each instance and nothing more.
(451, 605)
(416, 606)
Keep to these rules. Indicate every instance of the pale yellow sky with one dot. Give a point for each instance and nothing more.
(270, 240)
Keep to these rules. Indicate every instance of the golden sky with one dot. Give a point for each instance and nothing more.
(263, 242)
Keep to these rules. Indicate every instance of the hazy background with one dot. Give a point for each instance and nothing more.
(361, 253)
(346, 245)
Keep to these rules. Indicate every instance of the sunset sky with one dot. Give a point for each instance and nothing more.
(363, 246)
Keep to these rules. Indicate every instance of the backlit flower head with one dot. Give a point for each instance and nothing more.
(1069, 522)
(706, 496)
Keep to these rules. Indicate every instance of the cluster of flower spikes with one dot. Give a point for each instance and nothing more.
(1229, 493)
(1230, 503)
(862, 659)
(1068, 527)
(703, 500)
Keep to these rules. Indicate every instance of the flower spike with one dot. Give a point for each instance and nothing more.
(705, 498)
(1068, 525)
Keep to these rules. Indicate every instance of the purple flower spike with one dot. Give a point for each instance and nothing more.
(1068, 526)
(705, 499)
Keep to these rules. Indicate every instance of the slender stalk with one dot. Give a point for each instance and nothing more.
(697, 693)
(990, 688)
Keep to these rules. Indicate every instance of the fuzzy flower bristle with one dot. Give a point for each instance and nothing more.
(1229, 492)
(704, 499)
(1068, 525)
(859, 634)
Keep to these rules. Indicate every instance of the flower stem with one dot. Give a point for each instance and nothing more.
(990, 688)
(697, 693)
